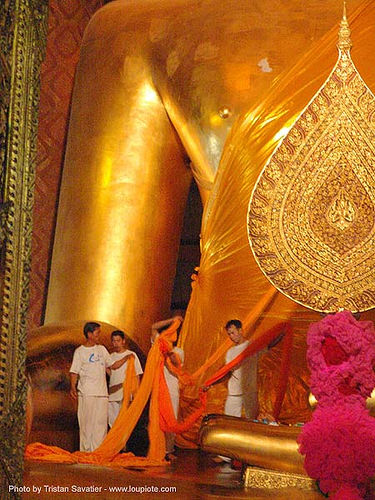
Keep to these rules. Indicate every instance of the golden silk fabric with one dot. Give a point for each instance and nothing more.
(229, 281)
(312, 211)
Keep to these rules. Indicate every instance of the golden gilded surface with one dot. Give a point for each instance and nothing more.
(267, 446)
(260, 478)
(115, 262)
(158, 81)
(312, 212)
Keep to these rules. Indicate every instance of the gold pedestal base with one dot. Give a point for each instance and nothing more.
(269, 479)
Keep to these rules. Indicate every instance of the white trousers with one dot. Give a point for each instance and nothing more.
(234, 404)
(92, 420)
(114, 408)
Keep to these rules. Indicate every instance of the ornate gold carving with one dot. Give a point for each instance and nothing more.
(269, 479)
(341, 212)
(312, 212)
(344, 33)
(22, 39)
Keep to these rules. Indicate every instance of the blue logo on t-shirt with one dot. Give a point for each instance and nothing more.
(93, 359)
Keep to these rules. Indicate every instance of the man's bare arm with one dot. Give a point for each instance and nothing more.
(224, 378)
(73, 385)
(164, 323)
(173, 357)
(117, 364)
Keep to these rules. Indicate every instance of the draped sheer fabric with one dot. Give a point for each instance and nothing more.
(229, 282)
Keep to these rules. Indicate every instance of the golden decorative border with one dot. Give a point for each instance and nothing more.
(329, 149)
(270, 479)
(23, 25)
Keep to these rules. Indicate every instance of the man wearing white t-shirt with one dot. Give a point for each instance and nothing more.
(117, 376)
(242, 384)
(88, 384)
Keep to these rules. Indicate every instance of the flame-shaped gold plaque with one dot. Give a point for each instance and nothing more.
(311, 216)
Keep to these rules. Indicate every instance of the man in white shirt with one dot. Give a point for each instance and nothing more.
(242, 384)
(88, 384)
(117, 376)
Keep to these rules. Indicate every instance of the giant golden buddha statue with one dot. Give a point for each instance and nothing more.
(158, 83)
(167, 90)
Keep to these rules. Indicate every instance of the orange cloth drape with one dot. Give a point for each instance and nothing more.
(257, 345)
(248, 323)
(108, 452)
(131, 383)
(168, 421)
(162, 418)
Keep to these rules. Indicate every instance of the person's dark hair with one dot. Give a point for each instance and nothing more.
(91, 326)
(234, 322)
(118, 333)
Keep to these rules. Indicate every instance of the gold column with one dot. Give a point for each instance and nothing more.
(22, 43)
(123, 194)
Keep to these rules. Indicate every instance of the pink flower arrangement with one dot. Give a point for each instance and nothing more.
(339, 441)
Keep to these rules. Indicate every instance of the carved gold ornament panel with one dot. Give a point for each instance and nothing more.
(311, 218)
